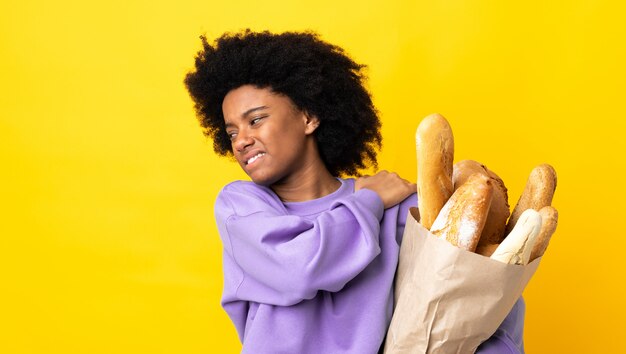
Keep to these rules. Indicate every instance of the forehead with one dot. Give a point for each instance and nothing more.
(246, 94)
(245, 98)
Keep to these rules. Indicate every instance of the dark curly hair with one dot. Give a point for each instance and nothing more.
(317, 76)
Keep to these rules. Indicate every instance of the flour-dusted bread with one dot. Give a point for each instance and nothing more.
(518, 244)
(435, 154)
(493, 232)
(463, 217)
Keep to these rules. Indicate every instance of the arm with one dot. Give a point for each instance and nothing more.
(283, 259)
(508, 338)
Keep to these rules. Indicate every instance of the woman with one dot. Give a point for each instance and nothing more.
(309, 256)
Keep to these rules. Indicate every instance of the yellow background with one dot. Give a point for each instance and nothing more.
(108, 238)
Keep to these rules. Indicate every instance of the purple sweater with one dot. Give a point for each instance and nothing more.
(317, 276)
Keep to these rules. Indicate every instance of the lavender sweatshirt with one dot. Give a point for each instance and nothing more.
(317, 276)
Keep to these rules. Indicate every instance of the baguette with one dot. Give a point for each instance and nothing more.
(493, 232)
(463, 217)
(549, 219)
(435, 154)
(486, 249)
(517, 246)
(537, 194)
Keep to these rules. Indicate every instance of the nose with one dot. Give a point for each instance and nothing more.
(242, 141)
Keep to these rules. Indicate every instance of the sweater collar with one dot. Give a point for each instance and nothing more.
(324, 203)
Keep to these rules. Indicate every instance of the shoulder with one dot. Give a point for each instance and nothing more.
(410, 201)
(349, 181)
(245, 198)
(244, 187)
(405, 205)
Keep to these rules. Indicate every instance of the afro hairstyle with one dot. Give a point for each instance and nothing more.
(319, 78)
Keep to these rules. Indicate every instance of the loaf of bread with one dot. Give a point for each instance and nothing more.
(435, 155)
(518, 244)
(493, 232)
(537, 194)
(549, 219)
(486, 249)
(463, 217)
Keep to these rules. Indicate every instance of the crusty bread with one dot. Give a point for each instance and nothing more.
(463, 217)
(493, 232)
(549, 219)
(538, 193)
(486, 249)
(517, 246)
(435, 154)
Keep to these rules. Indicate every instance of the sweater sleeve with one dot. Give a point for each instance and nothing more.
(403, 212)
(508, 338)
(283, 259)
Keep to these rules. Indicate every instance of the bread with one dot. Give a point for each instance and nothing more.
(493, 232)
(435, 153)
(517, 246)
(537, 194)
(486, 249)
(549, 219)
(463, 217)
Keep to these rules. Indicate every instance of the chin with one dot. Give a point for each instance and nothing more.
(262, 182)
(265, 181)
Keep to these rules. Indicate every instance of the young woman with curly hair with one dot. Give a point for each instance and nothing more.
(309, 255)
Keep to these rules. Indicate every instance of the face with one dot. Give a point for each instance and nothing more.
(270, 138)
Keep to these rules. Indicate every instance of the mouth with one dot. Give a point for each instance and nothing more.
(254, 158)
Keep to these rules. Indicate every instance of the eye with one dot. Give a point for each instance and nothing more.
(256, 120)
(231, 135)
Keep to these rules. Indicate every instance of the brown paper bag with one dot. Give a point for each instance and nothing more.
(448, 300)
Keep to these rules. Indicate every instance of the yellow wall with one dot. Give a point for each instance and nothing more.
(108, 241)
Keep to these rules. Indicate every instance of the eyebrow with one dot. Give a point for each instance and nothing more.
(248, 112)
(253, 110)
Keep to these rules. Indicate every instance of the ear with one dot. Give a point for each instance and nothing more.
(312, 122)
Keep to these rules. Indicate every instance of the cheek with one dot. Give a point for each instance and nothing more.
(284, 141)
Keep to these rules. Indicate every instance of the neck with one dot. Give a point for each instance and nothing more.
(312, 181)
(306, 189)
